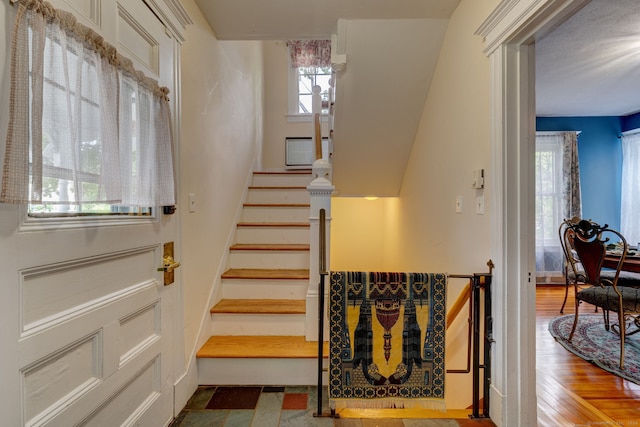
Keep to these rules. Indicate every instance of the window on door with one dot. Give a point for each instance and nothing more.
(88, 134)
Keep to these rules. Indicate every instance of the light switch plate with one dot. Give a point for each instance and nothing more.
(480, 205)
(459, 204)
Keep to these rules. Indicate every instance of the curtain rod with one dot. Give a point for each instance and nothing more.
(553, 132)
(629, 132)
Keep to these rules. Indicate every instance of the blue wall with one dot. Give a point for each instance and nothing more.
(600, 158)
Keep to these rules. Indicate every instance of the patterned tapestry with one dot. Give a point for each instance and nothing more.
(387, 339)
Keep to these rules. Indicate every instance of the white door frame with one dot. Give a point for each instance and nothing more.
(509, 34)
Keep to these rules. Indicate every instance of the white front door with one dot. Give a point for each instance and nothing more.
(87, 322)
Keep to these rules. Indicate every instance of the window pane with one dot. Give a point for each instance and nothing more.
(71, 172)
(307, 78)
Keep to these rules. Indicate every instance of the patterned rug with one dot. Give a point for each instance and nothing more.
(387, 340)
(594, 344)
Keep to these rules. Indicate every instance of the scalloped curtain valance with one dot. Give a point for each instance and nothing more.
(310, 53)
(84, 125)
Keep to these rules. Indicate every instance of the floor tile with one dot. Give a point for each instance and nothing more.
(284, 406)
(429, 423)
(239, 418)
(234, 398)
(204, 418)
(303, 418)
(295, 401)
(382, 422)
(268, 410)
(476, 422)
(347, 422)
(201, 397)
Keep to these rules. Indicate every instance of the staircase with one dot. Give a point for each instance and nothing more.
(258, 328)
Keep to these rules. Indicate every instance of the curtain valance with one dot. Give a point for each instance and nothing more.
(84, 125)
(310, 53)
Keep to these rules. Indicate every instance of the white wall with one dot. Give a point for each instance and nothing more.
(220, 144)
(276, 126)
(364, 234)
(420, 230)
(452, 140)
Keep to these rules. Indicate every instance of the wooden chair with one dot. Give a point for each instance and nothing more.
(573, 271)
(590, 242)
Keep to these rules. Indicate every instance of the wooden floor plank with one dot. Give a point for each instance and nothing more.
(570, 389)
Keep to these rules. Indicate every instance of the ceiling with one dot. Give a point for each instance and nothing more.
(590, 65)
(308, 19)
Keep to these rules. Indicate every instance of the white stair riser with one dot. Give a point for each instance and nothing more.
(264, 289)
(275, 214)
(259, 371)
(275, 180)
(258, 324)
(278, 196)
(269, 259)
(273, 235)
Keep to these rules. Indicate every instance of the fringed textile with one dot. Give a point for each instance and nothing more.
(310, 53)
(387, 340)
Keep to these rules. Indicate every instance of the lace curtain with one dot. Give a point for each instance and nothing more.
(310, 53)
(557, 195)
(629, 224)
(81, 116)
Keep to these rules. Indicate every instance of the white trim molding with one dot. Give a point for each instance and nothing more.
(509, 33)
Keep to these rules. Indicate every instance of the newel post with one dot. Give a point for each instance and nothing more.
(320, 191)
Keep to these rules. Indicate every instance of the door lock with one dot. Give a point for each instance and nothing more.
(169, 264)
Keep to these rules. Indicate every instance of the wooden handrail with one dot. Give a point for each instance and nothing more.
(459, 303)
(318, 135)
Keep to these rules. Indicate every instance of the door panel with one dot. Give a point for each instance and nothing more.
(87, 323)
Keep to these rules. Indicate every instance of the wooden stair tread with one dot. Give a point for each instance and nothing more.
(281, 347)
(260, 306)
(277, 205)
(264, 273)
(277, 187)
(274, 224)
(270, 247)
(285, 172)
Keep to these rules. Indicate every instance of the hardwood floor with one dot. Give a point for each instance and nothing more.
(571, 391)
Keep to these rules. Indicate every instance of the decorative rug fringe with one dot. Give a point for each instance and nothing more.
(433, 404)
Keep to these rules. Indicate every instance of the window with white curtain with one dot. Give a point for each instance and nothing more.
(548, 166)
(88, 134)
(630, 196)
(309, 65)
(557, 196)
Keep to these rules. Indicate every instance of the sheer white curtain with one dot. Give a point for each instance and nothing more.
(630, 198)
(557, 196)
(84, 126)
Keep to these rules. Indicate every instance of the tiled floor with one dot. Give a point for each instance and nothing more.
(294, 406)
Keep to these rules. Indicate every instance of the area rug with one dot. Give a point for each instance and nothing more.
(593, 343)
(387, 339)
